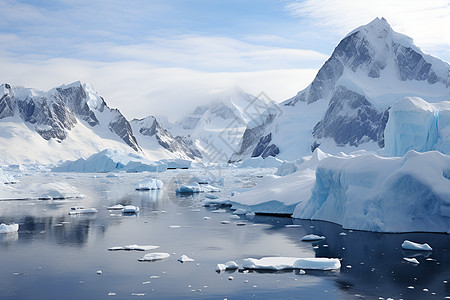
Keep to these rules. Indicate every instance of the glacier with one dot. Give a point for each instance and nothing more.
(419, 125)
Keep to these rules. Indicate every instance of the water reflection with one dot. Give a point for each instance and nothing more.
(372, 263)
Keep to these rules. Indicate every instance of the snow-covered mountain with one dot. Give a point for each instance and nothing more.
(67, 122)
(217, 129)
(152, 135)
(347, 104)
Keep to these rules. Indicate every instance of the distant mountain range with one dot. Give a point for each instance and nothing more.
(346, 106)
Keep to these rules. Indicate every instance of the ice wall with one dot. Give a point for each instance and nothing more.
(395, 194)
(416, 124)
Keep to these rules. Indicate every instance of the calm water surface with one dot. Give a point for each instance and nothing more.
(56, 256)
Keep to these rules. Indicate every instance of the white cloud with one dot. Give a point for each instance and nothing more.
(427, 22)
(139, 89)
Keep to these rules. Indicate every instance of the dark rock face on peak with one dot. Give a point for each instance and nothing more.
(120, 126)
(75, 98)
(350, 119)
(150, 128)
(53, 114)
(7, 102)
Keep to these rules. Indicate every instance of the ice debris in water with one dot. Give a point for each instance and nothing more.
(149, 184)
(283, 263)
(229, 265)
(312, 237)
(134, 247)
(183, 258)
(4, 228)
(411, 260)
(130, 209)
(154, 256)
(79, 210)
(408, 245)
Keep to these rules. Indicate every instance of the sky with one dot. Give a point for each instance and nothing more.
(165, 57)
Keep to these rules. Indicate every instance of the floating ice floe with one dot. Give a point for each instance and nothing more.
(211, 196)
(229, 265)
(286, 263)
(240, 211)
(134, 247)
(293, 226)
(154, 256)
(149, 184)
(183, 258)
(216, 202)
(312, 238)
(130, 209)
(115, 207)
(191, 188)
(80, 210)
(5, 228)
(411, 260)
(408, 245)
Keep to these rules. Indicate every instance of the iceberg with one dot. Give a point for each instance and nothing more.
(189, 188)
(416, 124)
(149, 184)
(382, 194)
(5, 228)
(109, 161)
(287, 263)
(259, 162)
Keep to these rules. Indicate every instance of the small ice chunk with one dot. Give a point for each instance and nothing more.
(149, 184)
(230, 278)
(112, 294)
(130, 209)
(183, 258)
(312, 238)
(283, 263)
(224, 222)
(154, 256)
(250, 215)
(189, 189)
(79, 210)
(235, 217)
(134, 247)
(115, 207)
(342, 234)
(411, 260)
(207, 218)
(176, 226)
(229, 265)
(408, 245)
(219, 211)
(292, 226)
(4, 228)
(99, 272)
(240, 211)
(301, 272)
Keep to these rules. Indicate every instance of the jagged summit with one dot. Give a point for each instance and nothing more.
(374, 51)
